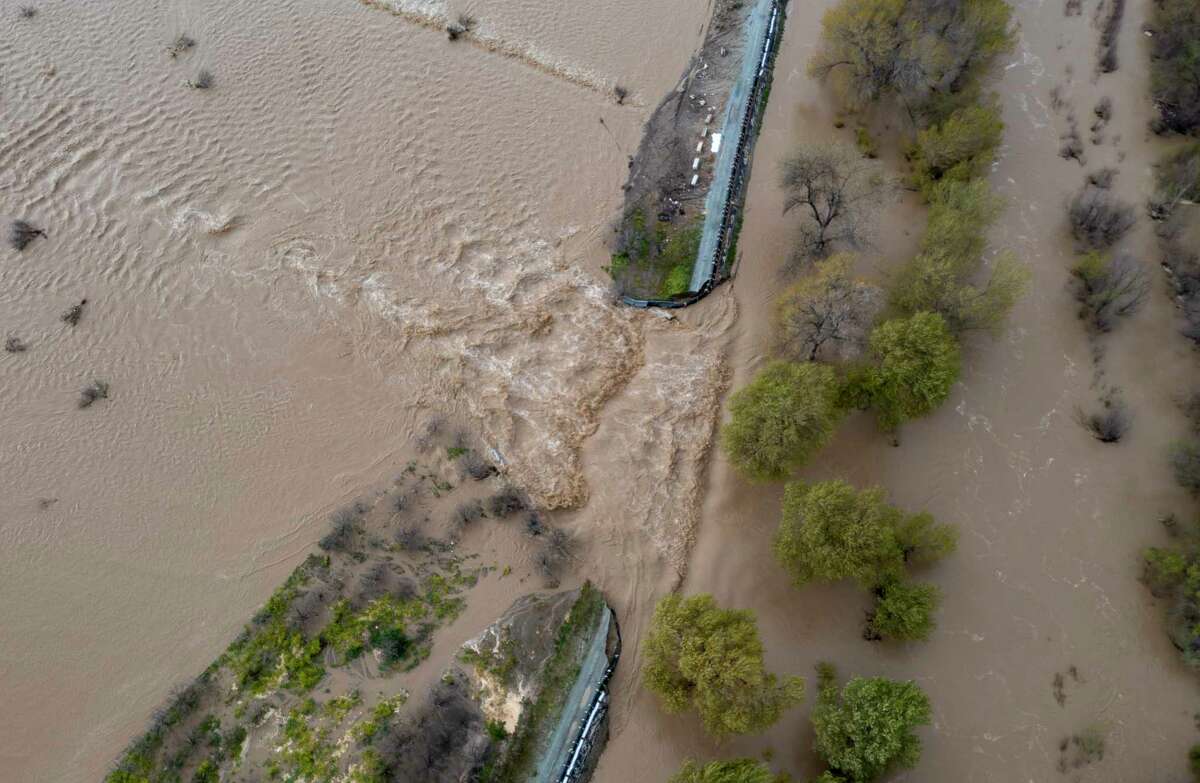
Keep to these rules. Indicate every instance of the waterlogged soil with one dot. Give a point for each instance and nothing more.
(1045, 631)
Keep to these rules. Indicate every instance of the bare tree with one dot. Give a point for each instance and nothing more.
(1109, 288)
(1098, 218)
(836, 190)
(827, 315)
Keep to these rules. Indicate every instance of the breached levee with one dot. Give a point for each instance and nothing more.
(541, 672)
(683, 198)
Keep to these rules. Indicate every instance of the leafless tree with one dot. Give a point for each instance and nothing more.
(1098, 219)
(1109, 288)
(837, 191)
(827, 315)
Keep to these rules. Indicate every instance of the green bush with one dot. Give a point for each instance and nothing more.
(905, 611)
(959, 149)
(865, 729)
(915, 364)
(783, 417)
(736, 771)
(702, 657)
(831, 531)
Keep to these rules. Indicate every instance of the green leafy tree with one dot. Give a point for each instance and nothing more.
(959, 149)
(865, 729)
(1175, 65)
(735, 771)
(905, 611)
(831, 531)
(941, 278)
(916, 362)
(781, 419)
(702, 657)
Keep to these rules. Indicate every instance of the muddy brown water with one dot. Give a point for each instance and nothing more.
(361, 222)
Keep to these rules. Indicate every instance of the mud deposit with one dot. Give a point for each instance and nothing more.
(358, 221)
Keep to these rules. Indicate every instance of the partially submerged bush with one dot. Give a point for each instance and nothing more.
(74, 313)
(1107, 62)
(1108, 288)
(342, 527)
(21, 233)
(466, 513)
(1178, 179)
(1175, 65)
(1098, 219)
(959, 149)
(620, 93)
(15, 344)
(463, 25)
(1185, 463)
(92, 393)
(27, 12)
(905, 611)
(180, 45)
(476, 466)
(1108, 424)
(507, 501)
(203, 80)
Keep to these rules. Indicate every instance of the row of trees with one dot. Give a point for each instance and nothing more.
(702, 657)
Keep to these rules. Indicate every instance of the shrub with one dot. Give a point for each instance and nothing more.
(916, 362)
(1098, 219)
(735, 771)
(1108, 424)
(865, 729)
(342, 527)
(702, 657)
(203, 80)
(97, 390)
(22, 233)
(941, 278)
(180, 45)
(960, 148)
(784, 416)
(74, 314)
(1175, 65)
(905, 611)
(507, 501)
(1178, 178)
(466, 513)
(1108, 288)
(1185, 462)
(15, 344)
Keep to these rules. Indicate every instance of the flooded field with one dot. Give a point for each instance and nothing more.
(1045, 578)
(359, 222)
(362, 222)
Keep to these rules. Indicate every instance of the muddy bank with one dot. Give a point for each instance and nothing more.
(1045, 582)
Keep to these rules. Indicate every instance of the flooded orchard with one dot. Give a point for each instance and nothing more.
(360, 222)
(1044, 588)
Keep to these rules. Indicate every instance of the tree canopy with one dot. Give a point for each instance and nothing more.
(942, 277)
(1175, 65)
(865, 729)
(700, 656)
(781, 419)
(831, 531)
(905, 611)
(915, 364)
(826, 315)
(960, 148)
(928, 53)
(735, 771)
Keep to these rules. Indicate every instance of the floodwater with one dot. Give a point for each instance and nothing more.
(359, 223)
(362, 222)
(1045, 578)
